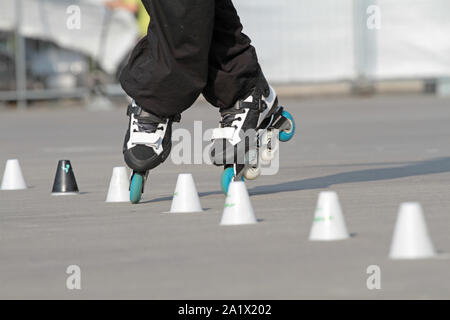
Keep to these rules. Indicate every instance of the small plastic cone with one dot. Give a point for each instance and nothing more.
(329, 222)
(411, 238)
(65, 183)
(185, 197)
(119, 186)
(238, 208)
(13, 177)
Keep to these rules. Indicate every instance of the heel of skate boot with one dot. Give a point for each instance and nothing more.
(136, 187)
(287, 133)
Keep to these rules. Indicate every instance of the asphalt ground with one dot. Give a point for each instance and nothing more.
(374, 152)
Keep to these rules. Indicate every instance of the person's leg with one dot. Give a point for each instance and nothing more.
(233, 64)
(165, 74)
(237, 86)
(168, 68)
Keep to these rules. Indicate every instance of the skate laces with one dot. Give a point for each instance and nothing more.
(228, 119)
(147, 127)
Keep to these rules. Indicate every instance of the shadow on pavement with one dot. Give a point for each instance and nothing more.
(433, 166)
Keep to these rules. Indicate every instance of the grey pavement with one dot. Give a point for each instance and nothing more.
(375, 152)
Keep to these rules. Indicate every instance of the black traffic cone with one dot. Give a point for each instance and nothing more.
(65, 182)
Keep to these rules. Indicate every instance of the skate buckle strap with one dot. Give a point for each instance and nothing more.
(259, 105)
(133, 108)
(223, 133)
(230, 134)
(152, 140)
(140, 113)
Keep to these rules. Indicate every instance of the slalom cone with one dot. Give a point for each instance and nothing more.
(411, 238)
(329, 223)
(13, 177)
(119, 186)
(238, 208)
(65, 183)
(185, 197)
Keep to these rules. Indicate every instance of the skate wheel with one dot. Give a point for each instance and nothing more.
(227, 177)
(287, 134)
(267, 155)
(252, 173)
(137, 183)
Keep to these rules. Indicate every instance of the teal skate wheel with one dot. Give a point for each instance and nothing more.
(227, 177)
(287, 134)
(137, 183)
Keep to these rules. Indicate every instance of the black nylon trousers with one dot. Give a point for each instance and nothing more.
(192, 47)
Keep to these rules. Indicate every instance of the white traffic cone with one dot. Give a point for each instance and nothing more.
(411, 238)
(13, 177)
(329, 222)
(238, 208)
(185, 197)
(119, 186)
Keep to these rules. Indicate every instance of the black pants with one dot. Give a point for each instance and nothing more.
(192, 47)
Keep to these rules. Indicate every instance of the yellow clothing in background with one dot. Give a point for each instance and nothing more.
(143, 19)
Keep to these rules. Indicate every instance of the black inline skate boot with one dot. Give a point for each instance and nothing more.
(238, 139)
(147, 144)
